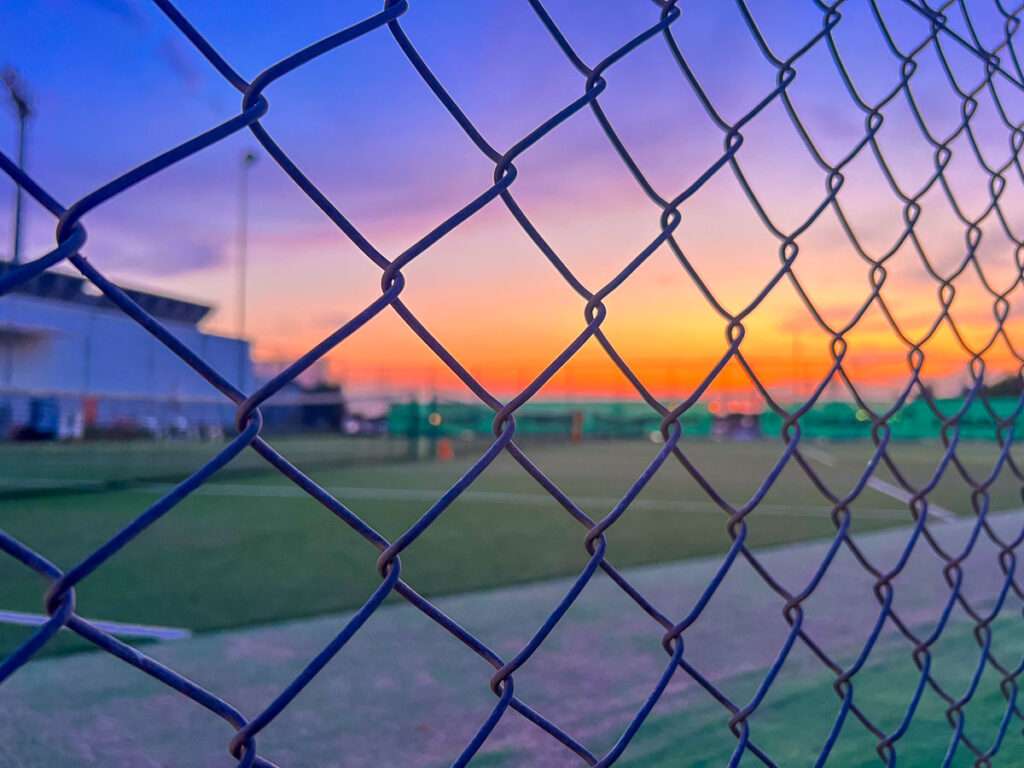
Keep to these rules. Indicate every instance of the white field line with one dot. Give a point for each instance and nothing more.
(895, 492)
(110, 627)
(30, 483)
(500, 497)
(890, 490)
(818, 455)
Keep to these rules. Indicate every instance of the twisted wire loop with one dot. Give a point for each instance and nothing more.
(951, 28)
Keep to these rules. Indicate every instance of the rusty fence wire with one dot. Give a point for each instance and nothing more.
(1001, 71)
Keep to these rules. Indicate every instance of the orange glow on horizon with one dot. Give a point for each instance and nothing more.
(496, 304)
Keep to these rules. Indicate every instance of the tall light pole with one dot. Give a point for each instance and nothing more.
(248, 158)
(18, 95)
(795, 363)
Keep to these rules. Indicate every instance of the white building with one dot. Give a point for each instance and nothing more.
(71, 360)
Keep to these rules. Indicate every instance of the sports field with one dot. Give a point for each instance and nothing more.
(404, 692)
(249, 548)
(259, 574)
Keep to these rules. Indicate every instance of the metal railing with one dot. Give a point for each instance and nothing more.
(1000, 64)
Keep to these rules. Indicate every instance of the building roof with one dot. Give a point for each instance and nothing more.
(73, 289)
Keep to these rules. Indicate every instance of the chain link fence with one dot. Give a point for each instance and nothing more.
(951, 28)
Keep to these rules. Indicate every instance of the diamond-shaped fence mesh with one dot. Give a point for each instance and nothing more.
(952, 32)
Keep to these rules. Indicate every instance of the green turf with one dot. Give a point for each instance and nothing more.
(793, 722)
(219, 561)
(27, 468)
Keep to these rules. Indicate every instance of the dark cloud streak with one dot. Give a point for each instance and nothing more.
(126, 11)
(172, 52)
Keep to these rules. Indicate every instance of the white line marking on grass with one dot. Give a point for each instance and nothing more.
(890, 490)
(895, 492)
(110, 627)
(818, 455)
(37, 483)
(502, 497)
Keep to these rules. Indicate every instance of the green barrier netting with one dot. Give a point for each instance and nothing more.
(543, 419)
(829, 421)
(625, 420)
(914, 421)
(975, 422)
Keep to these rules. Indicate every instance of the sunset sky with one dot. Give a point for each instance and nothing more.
(119, 84)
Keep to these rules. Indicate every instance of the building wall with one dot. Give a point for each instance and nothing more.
(102, 363)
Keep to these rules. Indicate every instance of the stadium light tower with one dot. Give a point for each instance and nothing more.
(248, 158)
(17, 94)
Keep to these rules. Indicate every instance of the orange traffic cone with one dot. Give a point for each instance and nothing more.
(445, 452)
(576, 430)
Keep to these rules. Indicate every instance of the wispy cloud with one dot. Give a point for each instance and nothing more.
(172, 51)
(126, 11)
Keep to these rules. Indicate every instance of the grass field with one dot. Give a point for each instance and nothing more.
(799, 709)
(33, 468)
(403, 692)
(249, 548)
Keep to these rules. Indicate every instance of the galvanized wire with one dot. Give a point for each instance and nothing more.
(1002, 68)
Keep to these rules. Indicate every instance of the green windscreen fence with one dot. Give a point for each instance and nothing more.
(834, 420)
(914, 421)
(621, 420)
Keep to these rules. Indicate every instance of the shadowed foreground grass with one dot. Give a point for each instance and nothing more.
(404, 692)
(793, 723)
